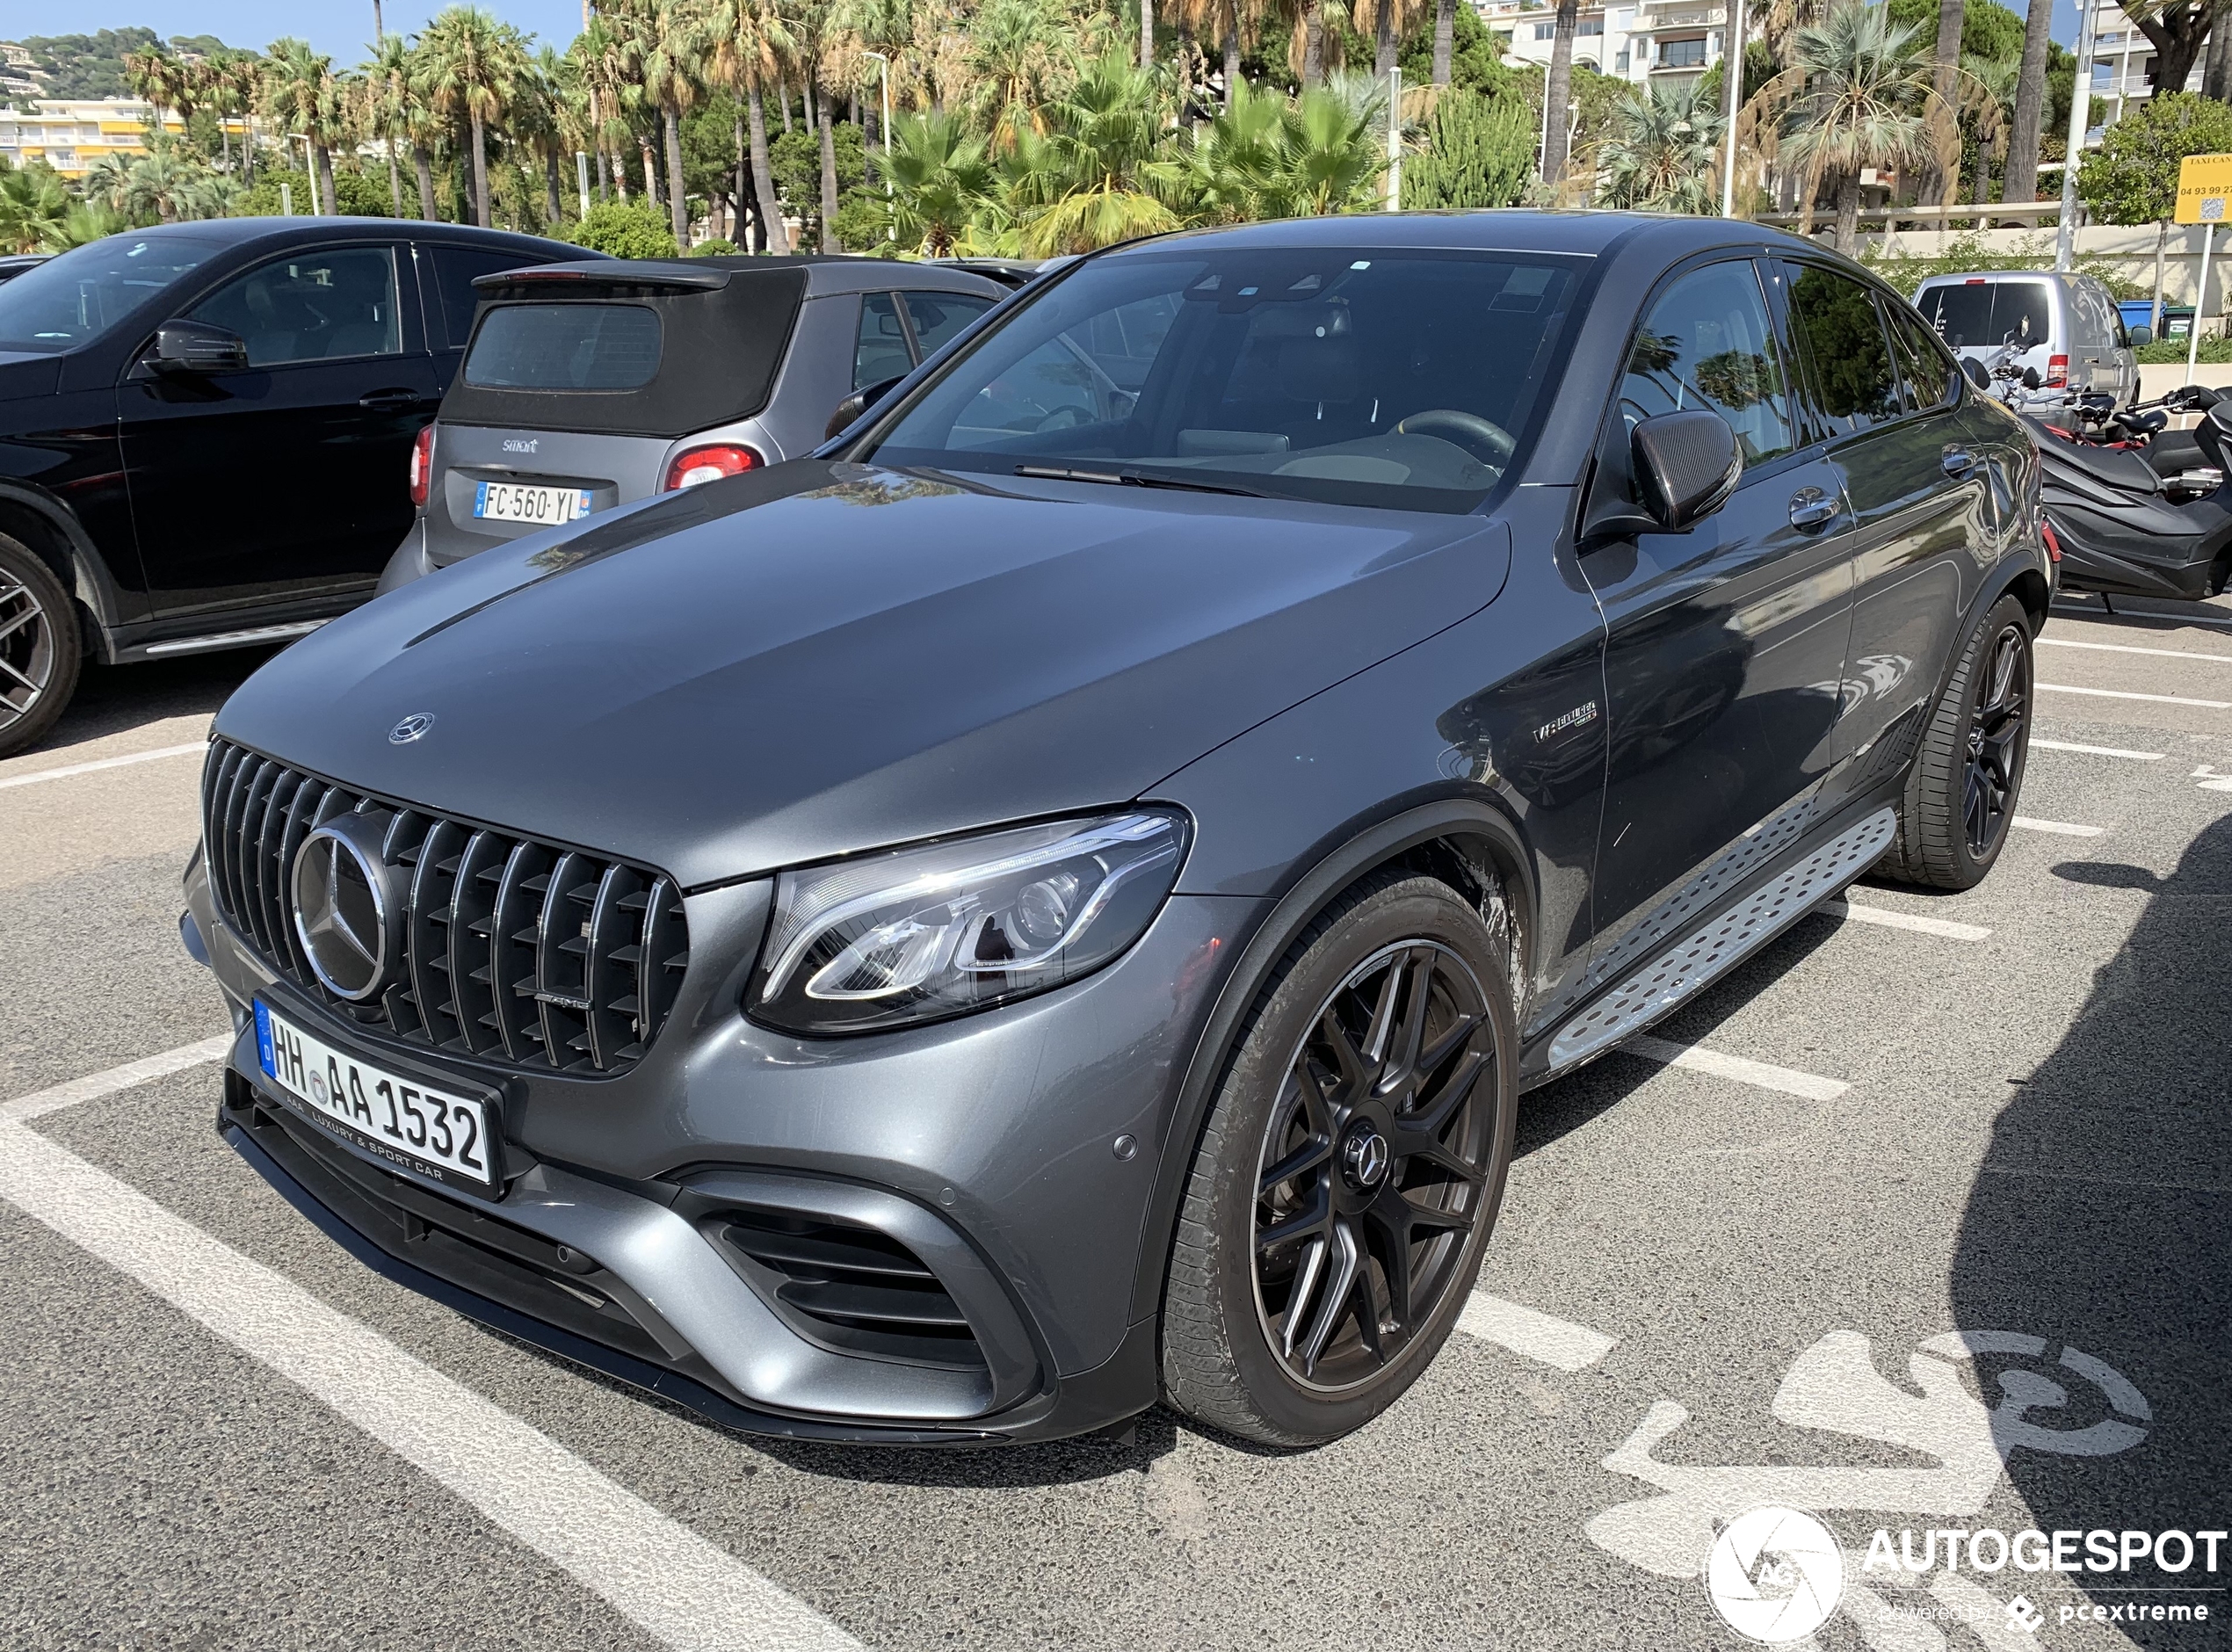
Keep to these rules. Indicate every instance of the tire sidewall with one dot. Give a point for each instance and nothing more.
(1417, 909)
(2008, 611)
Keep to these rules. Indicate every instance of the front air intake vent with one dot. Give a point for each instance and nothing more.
(511, 950)
(853, 1288)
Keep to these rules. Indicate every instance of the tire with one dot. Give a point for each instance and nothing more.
(1967, 774)
(1269, 1347)
(41, 651)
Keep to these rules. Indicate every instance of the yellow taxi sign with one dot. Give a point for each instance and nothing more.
(2204, 186)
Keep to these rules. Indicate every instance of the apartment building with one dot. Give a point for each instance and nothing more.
(1637, 42)
(71, 135)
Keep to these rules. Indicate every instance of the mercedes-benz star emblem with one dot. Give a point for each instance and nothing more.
(1366, 1153)
(340, 913)
(410, 728)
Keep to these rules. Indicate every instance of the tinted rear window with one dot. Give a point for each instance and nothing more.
(565, 347)
(1988, 313)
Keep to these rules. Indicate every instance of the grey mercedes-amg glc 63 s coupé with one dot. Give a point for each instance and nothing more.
(1049, 905)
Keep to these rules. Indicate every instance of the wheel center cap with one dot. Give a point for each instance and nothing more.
(1364, 1158)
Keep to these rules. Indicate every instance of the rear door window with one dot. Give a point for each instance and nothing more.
(880, 353)
(1927, 376)
(311, 306)
(1847, 358)
(455, 270)
(937, 316)
(565, 347)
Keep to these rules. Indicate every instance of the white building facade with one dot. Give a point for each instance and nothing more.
(1637, 42)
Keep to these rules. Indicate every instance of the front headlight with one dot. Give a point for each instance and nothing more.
(921, 934)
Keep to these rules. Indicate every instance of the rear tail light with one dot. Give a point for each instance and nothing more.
(422, 464)
(2053, 543)
(2057, 370)
(710, 463)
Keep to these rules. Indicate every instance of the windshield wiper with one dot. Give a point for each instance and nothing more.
(1140, 479)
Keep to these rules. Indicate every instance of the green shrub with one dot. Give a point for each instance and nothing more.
(1480, 152)
(629, 229)
(2216, 350)
(354, 195)
(715, 249)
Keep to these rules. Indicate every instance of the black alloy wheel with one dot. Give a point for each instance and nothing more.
(40, 647)
(1350, 1169)
(1996, 745)
(1374, 1165)
(1967, 773)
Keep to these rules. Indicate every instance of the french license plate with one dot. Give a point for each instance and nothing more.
(514, 502)
(403, 1120)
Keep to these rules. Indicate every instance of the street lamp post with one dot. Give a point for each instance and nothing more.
(891, 231)
(310, 169)
(2065, 240)
(1732, 72)
(581, 174)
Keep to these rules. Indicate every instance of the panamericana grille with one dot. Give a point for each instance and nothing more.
(513, 950)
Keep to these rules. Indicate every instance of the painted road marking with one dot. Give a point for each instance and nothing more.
(1889, 919)
(2125, 648)
(1789, 1081)
(1529, 1331)
(2094, 751)
(2125, 694)
(64, 773)
(2060, 828)
(94, 1086)
(672, 1583)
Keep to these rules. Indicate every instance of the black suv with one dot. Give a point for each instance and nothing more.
(206, 432)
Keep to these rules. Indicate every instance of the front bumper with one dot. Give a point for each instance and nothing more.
(633, 1233)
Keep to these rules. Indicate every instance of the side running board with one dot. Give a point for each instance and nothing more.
(1723, 943)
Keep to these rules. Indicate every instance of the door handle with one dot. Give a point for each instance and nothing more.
(1811, 508)
(1959, 462)
(391, 401)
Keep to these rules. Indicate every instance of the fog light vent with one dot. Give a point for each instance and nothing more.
(853, 1289)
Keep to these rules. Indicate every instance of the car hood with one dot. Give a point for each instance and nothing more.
(828, 657)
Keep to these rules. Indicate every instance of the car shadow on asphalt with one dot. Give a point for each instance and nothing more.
(2099, 1222)
(112, 698)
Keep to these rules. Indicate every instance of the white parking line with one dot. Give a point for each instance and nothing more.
(104, 763)
(1742, 1068)
(1529, 1331)
(2058, 828)
(94, 1086)
(672, 1583)
(2142, 613)
(2125, 694)
(2125, 648)
(1889, 919)
(2094, 751)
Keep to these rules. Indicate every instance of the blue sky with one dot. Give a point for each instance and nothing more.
(342, 27)
(339, 27)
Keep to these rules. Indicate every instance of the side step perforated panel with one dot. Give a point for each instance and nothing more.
(1722, 944)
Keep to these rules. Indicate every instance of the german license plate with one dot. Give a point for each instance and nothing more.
(515, 502)
(434, 1131)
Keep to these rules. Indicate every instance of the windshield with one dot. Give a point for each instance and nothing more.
(75, 298)
(1408, 378)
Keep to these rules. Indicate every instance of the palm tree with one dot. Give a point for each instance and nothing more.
(1445, 38)
(167, 181)
(1994, 80)
(156, 77)
(1856, 96)
(1022, 53)
(673, 65)
(1387, 19)
(1090, 181)
(473, 67)
(940, 180)
(604, 64)
(299, 94)
(244, 91)
(391, 106)
(32, 205)
(1659, 154)
(1947, 83)
(751, 41)
(1557, 92)
(2021, 179)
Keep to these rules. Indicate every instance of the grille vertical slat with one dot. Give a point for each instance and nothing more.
(432, 894)
(512, 950)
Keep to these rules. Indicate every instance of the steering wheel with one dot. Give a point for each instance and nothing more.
(1066, 418)
(1489, 442)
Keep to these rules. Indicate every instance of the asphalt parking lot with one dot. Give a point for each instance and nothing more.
(1920, 1222)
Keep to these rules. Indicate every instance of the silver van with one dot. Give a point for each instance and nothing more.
(2067, 326)
(588, 386)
